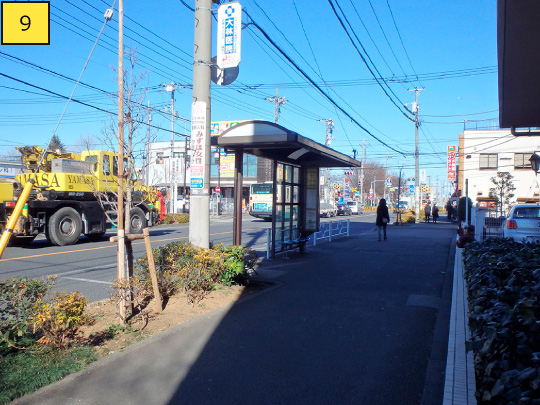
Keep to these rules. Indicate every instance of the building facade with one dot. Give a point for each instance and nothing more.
(484, 153)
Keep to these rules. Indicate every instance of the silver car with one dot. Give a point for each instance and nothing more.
(327, 210)
(523, 223)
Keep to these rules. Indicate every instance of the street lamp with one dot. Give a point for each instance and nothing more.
(535, 162)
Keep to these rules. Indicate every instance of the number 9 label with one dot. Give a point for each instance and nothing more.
(25, 23)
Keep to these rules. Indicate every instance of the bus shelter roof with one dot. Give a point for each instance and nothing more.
(272, 141)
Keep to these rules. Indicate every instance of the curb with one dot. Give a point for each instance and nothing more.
(460, 384)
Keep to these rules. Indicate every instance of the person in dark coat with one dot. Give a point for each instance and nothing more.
(383, 218)
(435, 213)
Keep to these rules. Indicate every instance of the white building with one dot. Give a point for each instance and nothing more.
(483, 153)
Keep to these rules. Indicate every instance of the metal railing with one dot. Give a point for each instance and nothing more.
(331, 230)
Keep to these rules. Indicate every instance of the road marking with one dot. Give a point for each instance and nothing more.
(87, 280)
(110, 247)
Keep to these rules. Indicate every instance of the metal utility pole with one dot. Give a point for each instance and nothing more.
(416, 154)
(278, 102)
(121, 273)
(199, 229)
(170, 88)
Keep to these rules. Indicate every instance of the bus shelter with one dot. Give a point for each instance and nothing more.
(296, 163)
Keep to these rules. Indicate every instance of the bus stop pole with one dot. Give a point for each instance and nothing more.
(238, 188)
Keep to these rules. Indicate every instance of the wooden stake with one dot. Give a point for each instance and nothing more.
(157, 296)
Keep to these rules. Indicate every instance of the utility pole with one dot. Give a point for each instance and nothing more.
(199, 229)
(416, 154)
(147, 148)
(170, 88)
(121, 273)
(362, 171)
(327, 140)
(278, 102)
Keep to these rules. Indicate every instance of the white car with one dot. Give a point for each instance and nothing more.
(327, 210)
(523, 223)
(355, 207)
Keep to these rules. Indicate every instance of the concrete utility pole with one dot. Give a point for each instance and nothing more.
(278, 101)
(170, 88)
(416, 154)
(147, 147)
(362, 171)
(199, 229)
(121, 273)
(327, 140)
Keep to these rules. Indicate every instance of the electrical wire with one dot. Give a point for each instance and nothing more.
(365, 61)
(318, 88)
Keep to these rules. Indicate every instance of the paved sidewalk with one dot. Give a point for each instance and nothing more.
(354, 321)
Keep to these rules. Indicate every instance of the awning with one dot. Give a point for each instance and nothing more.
(272, 141)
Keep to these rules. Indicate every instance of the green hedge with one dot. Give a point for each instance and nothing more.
(503, 281)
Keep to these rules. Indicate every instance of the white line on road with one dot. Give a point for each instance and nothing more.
(87, 280)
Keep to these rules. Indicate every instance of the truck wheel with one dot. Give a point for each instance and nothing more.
(64, 227)
(137, 221)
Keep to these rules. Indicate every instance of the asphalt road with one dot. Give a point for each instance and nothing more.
(90, 267)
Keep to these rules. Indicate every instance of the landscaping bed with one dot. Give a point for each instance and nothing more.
(503, 283)
(45, 337)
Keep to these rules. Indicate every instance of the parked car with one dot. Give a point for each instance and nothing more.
(523, 223)
(356, 207)
(327, 210)
(343, 209)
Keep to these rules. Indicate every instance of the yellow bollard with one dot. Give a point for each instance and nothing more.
(15, 215)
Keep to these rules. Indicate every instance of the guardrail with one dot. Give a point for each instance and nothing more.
(327, 231)
(331, 229)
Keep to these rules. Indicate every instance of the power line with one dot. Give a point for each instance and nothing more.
(364, 60)
(317, 87)
(85, 104)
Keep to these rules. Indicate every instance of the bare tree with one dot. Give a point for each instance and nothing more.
(503, 190)
(135, 116)
(86, 142)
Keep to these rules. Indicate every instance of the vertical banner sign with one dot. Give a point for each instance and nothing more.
(229, 34)
(198, 130)
(451, 163)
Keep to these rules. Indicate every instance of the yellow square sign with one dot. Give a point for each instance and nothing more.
(26, 23)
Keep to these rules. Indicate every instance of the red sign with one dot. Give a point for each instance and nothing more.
(218, 190)
(451, 163)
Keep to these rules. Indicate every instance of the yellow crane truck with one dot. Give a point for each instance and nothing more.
(73, 195)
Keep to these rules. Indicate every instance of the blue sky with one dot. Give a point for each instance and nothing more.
(448, 48)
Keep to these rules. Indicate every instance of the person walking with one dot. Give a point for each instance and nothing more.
(427, 211)
(383, 217)
(435, 213)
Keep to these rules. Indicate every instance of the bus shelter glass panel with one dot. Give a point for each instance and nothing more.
(287, 206)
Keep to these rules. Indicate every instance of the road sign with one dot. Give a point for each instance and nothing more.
(411, 188)
(228, 35)
(218, 189)
(389, 181)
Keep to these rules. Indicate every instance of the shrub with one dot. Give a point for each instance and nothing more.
(176, 219)
(504, 304)
(60, 317)
(169, 260)
(197, 270)
(239, 261)
(18, 298)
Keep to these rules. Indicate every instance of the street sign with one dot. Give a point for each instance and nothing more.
(411, 188)
(389, 181)
(229, 33)
(218, 189)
